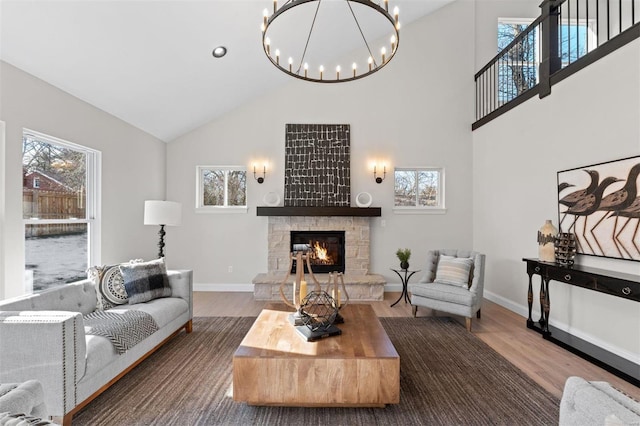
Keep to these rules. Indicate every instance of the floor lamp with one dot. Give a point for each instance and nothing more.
(163, 213)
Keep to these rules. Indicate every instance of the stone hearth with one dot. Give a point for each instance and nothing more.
(359, 283)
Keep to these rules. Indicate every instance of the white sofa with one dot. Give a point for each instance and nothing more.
(43, 338)
(596, 403)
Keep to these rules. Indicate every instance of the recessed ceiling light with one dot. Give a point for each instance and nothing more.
(219, 52)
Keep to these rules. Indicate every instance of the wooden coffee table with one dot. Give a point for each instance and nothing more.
(274, 365)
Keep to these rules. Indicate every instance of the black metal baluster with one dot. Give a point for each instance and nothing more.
(587, 28)
(620, 16)
(568, 31)
(597, 23)
(608, 23)
(577, 29)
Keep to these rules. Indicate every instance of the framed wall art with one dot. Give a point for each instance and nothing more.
(600, 204)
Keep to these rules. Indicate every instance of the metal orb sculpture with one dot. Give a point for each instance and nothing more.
(318, 311)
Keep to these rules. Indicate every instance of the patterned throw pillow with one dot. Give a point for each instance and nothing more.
(454, 270)
(109, 286)
(145, 281)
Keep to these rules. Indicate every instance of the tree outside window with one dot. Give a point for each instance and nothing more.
(518, 68)
(221, 187)
(59, 196)
(419, 188)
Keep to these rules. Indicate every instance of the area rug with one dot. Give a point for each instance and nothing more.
(447, 377)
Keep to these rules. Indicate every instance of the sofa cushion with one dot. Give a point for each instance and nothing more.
(145, 281)
(445, 293)
(454, 270)
(585, 403)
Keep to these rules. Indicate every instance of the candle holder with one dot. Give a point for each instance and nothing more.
(337, 294)
(299, 286)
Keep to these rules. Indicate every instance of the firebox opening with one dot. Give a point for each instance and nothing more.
(325, 250)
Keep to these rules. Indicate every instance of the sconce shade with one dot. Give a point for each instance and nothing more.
(167, 213)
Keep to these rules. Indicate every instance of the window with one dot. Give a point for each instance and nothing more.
(518, 70)
(419, 189)
(59, 210)
(221, 188)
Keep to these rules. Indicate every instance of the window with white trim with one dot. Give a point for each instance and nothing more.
(418, 189)
(60, 201)
(221, 188)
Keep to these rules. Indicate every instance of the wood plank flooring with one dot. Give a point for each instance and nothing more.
(546, 363)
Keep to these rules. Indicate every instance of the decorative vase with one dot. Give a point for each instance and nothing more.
(404, 265)
(565, 248)
(546, 235)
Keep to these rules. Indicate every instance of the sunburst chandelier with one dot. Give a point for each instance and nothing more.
(344, 25)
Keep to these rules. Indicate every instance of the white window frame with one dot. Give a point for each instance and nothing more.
(202, 208)
(36, 182)
(93, 191)
(440, 208)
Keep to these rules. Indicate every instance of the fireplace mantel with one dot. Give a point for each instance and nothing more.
(319, 211)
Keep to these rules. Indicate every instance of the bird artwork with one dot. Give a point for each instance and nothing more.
(618, 201)
(600, 204)
(631, 212)
(587, 206)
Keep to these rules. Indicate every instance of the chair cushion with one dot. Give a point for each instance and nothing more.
(445, 293)
(145, 281)
(454, 271)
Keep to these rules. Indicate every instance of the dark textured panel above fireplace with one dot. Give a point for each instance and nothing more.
(319, 211)
(317, 165)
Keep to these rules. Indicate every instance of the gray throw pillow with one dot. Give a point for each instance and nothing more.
(145, 281)
(454, 270)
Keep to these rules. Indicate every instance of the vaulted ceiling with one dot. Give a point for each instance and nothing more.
(149, 62)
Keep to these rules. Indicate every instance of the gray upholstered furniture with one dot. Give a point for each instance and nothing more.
(43, 338)
(25, 398)
(596, 403)
(464, 300)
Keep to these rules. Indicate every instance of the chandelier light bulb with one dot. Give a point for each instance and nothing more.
(393, 43)
(275, 5)
(321, 71)
(306, 68)
(262, 27)
(386, 5)
(277, 56)
(290, 63)
(265, 17)
(396, 14)
(383, 52)
(354, 67)
(338, 72)
(370, 62)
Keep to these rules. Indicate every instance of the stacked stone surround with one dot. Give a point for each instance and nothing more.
(360, 284)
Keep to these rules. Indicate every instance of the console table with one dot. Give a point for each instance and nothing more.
(613, 283)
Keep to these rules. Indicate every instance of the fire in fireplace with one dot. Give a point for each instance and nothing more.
(324, 248)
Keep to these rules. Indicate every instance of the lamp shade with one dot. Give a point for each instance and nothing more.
(167, 213)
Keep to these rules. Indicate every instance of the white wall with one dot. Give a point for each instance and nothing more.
(133, 169)
(591, 117)
(417, 111)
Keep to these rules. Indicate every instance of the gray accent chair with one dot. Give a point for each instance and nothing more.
(447, 298)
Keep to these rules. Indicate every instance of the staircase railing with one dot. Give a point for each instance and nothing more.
(566, 37)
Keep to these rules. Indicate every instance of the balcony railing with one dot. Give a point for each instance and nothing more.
(566, 37)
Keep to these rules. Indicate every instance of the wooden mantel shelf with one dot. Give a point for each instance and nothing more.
(319, 211)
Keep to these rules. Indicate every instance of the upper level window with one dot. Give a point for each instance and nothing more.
(419, 189)
(518, 72)
(221, 188)
(59, 204)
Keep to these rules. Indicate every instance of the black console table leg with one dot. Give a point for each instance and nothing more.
(530, 301)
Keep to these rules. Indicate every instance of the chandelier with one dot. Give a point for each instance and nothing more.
(371, 18)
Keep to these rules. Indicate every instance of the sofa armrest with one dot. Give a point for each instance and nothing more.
(48, 346)
(181, 282)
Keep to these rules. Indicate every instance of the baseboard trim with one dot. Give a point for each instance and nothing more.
(223, 287)
(523, 311)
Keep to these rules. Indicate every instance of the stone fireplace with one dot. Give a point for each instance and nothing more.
(361, 285)
(317, 195)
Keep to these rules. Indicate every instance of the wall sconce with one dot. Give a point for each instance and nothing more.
(384, 173)
(260, 179)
